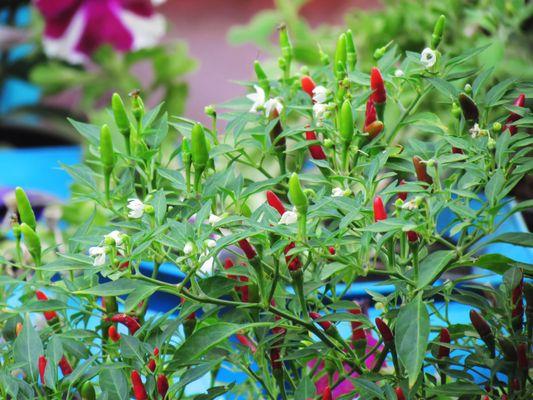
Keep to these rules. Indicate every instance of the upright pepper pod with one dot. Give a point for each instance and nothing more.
(469, 108)
(262, 78)
(372, 125)
(358, 332)
(379, 94)
(523, 362)
(385, 331)
(297, 196)
(107, 156)
(346, 127)
(308, 85)
(513, 117)
(137, 105)
(399, 393)
(121, 117)
(444, 351)
(351, 52)
(326, 394)
(402, 195)
(199, 153)
(139, 391)
(436, 37)
(379, 209)
(41, 364)
(286, 50)
(340, 57)
(421, 172)
(64, 365)
(517, 304)
(162, 385)
(32, 242)
(508, 349)
(87, 391)
(483, 329)
(24, 208)
(316, 151)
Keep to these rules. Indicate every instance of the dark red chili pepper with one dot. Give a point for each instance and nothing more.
(247, 248)
(151, 365)
(444, 351)
(130, 322)
(518, 305)
(275, 362)
(402, 195)
(513, 117)
(162, 385)
(42, 368)
(421, 172)
(508, 349)
(243, 290)
(483, 329)
(412, 236)
(246, 341)
(326, 325)
(48, 315)
(468, 107)
(274, 202)
(191, 316)
(399, 393)
(139, 390)
(64, 365)
(379, 209)
(522, 356)
(384, 330)
(332, 250)
(370, 112)
(456, 150)
(292, 260)
(326, 394)
(515, 385)
(358, 333)
(156, 351)
(308, 85)
(315, 150)
(379, 95)
(113, 333)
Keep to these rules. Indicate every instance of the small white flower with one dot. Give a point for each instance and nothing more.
(398, 73)
(288, 217)
(116, 236)
(258, 98)
(475, 131)
(410, 205)
(320, 94)
(208, 266)
(188, 248)
(213, 219)
(319, 110)
(273, 104)
(136, 208)
(428, 57)
(98, 252)
(337, 192)
(210, 243)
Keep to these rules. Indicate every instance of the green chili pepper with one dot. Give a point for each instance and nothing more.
(340, 57)
(437, 32)
(346, 122)
(32, 242)
(285, 44)
(262, 79)
(296, 194)
(137, 106)
(351, 53)
(87, 391)
(121, 118)
(380, 52)
(24, 208)
(107, 155)
(468, 107)
(199, 150)
(186, 151)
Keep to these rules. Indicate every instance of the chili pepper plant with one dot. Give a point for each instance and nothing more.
(271, 212)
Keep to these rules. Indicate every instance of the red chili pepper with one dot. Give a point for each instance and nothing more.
(399, 393)
(249, 251)
(504, 397)
(379, 209)
(64, 365)
(402, 195)
(326, 394)
(246, 341)
(513, 117)
(444, 351)
(113, 333)
(130, 322)
(275, 202)
(515, 384)
(379, 95)
(156, 351)
(358, 333)
(412, 236)
(42, 368)
(151, 364)
(48, 315)
(456, 150)
(421, 172)
(317, 153)
(370, 112)
(483, 329)
(326, 325)
(139, 390)
(162, 385)
(518, 305)
(308, 85)
(275, 362)
(293, 261)
(243, 290)
(384, 330)
(332, 250)
(522, 356)
(191, 316)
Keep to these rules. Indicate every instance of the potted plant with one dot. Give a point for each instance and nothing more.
(263, 244)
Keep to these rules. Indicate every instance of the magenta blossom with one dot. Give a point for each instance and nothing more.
(74, 29)
(346, 386)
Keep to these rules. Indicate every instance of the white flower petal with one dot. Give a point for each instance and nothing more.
(210, 243)
(188, 248)
(288, 217)
(136, 208)
(116, 236)
(319, 110)
(258, 98)
(271, 105)
(208, 266)
(213, 219)
(399, 73)
(428, 57)
(320, 94)
(337, 192)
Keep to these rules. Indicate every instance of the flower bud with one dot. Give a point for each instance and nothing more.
(210, 111)
(340, 57)
(351, 53)
(437, 32)
(469, 108)
(346, 127)
(456, 110)
(496, 127)
(261, 77)
(199, 152)
(297, 195)
(24, 208)
(137, 105)
(121, 117)
(107, 156)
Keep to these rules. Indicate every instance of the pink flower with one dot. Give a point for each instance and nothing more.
(74, 29)
(346, 386)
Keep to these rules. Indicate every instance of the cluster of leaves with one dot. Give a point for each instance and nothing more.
(279, 283)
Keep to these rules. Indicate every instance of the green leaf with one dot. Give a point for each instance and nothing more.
(113, 382)
(305, 390)
(27, 349)
(455, 389)
(114, 288)
(88, 131)
(140, 293)
(368, 390)
(494, 187)
(131, 347)
(411, 337)
(445, 87)
(195, 373)
(432, 266)
(517, 238)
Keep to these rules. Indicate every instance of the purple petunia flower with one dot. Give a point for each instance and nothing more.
(74, 29)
